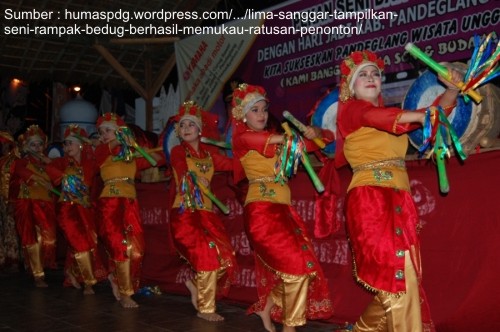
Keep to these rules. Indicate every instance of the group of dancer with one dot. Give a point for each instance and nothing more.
(381, 219)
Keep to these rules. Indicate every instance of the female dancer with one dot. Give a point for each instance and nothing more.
(35, 207)
(290, 282)
(75, 173)
(382, 221)
(119, 223)
(198, 232)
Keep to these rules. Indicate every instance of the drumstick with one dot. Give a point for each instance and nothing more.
(210, 195)
(307, 164)
(440, 69)
(444, 185)
(302, 128)
(220, 144)
(156, 149)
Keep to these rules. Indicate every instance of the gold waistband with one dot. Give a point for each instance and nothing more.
(266, 179)
(397, 163)
(118, 180)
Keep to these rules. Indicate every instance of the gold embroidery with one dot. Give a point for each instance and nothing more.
(381, 175)
(264, 192)
(203, 167)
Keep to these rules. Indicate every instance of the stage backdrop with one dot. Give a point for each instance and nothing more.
(296, 70)
(296, 52)
(460, 240)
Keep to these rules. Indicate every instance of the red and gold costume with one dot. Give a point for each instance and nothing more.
(381, 217)
(198, 233)
(35, 208)
(9, 243)
(75, 211)
(119, 222)
(286, 266)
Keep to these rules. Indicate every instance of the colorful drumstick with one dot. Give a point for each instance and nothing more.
(151, 150)
(444, 185)
(220, 144)
(302, 128)
(125, 136)
(211, 196)
(440, 70)
(307, 164)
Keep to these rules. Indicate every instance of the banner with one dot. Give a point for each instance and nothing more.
(296, 56)
(206, 60)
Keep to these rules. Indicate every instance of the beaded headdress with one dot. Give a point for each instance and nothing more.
(244, 97)
(351, 66)
(33, 133)
(111, 120)
(75, 133)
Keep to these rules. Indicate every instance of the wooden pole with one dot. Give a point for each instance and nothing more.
(121, 70)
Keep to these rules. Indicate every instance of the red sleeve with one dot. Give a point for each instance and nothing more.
(21, 171)
(222, 163)
(360, 113)
(178, 161)
(101, 153)
(55, 170)
(258, 141)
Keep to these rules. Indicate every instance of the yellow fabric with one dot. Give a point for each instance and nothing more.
(291, 296)
(118, 177)
(394, 314)
(33, 190)
(123, 278)
(83, 259)
(202, 167)
(363, 146)
(259, 171)
(206, 284)
(34, 252)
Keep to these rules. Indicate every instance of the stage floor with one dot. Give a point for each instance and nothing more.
(58, 308)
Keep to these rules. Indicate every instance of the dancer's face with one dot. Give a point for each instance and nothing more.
(72, 148)
(257, 115)
(368, 84)
(106, 134)
(188, 131)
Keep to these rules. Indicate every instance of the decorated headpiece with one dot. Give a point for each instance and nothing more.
(350, 68)
(244, 97)
(110, 120)
(76, 134)
(33, 133)
(189, 110)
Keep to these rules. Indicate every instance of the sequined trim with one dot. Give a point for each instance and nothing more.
(286, 275)
(266, 179)
(397, 162)
(118, 180)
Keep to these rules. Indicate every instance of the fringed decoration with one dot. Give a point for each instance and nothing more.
(126, 138)
(483, 65)
(191, 196)
(291, 153)
(73, 188)
(438, 137)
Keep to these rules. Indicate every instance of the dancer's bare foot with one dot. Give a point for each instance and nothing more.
(128, 303)
(194, 293)
(88, 290)
(40, 283)
(211, 317)
(266, 321)
(73, 280)
(114, 287)
(265, 315)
